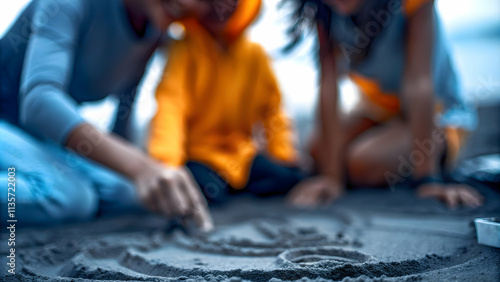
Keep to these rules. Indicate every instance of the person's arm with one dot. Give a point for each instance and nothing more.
(329, 184)
(49, 111)
(418, 87)
(45, 107)
(331, 134)
(168, 191)
(419, 101)
(168, 127)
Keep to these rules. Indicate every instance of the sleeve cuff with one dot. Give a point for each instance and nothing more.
(47, 113)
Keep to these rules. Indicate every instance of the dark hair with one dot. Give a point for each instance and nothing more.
(305, 15)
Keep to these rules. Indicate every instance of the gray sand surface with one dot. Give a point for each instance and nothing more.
(374, 235)
(368, 235)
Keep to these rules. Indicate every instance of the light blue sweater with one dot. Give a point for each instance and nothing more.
(60, 53)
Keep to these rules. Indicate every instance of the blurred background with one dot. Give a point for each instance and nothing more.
(473, 29)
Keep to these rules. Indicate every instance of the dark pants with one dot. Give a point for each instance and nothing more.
(266, 179)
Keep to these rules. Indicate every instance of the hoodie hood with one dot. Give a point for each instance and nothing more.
(244, 15)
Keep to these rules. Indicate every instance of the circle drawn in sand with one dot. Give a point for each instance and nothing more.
(321, 257)
(279, 233)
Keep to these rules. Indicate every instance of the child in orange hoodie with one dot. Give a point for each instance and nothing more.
(217, 90)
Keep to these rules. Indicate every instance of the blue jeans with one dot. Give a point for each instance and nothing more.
(54, 185)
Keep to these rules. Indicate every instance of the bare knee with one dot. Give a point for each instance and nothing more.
(363, 168)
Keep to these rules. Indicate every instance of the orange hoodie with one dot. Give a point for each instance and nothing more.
(210, 100)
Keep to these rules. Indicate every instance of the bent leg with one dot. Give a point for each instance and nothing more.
(48, 189)
(377, 152)
(353, 123)
(116, 193)
(268, 178)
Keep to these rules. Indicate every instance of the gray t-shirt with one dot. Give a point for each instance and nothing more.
(373, 44)
(60, 53)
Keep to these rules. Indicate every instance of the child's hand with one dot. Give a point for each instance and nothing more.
(173, 192)
(315, 192)
(452, 194)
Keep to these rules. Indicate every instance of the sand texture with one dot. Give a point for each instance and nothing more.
(369, 235)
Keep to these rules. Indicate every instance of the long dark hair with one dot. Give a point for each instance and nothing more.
(305, 14)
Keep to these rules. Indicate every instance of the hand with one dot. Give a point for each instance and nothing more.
(315, 191)
(452, 194)
(173, 192)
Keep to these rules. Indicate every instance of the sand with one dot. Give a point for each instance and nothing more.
(369, 235)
